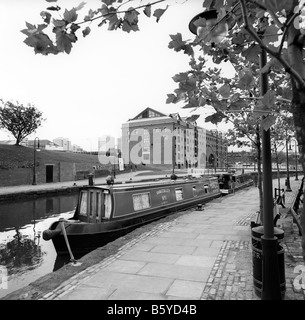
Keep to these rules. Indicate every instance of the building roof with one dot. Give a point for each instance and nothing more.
(148, 113)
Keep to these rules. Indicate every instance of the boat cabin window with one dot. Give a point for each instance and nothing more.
(83, 203)
(95, 205)
(179, 194)
(194, 191)
(141, 201)
(206, 188)
(107, 205)
(92, 204)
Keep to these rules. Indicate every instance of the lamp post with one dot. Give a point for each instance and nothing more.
(270, 266)
(296, 158)
(288, 188)
(34, 167)
(212, 159)
(108, 153)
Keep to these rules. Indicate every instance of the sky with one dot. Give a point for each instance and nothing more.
(108, 78)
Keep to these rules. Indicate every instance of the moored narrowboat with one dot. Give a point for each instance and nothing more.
(229, 182)
(106, 212)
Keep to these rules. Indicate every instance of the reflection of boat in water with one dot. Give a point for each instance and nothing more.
(105, 213)
(230, 182)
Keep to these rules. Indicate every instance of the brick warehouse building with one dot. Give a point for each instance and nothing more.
(154, 138)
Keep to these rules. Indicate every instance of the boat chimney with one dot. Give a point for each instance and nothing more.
(90, 179)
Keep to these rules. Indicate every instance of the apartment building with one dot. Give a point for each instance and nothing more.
(154, 138)
(65, 143)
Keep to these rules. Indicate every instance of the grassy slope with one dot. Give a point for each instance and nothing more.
(15, 154)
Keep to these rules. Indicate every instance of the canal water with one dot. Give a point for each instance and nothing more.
(24, 255)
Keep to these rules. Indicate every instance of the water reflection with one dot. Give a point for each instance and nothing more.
(23, 252)
(22, 212)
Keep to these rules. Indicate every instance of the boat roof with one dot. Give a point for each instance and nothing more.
(152, 182)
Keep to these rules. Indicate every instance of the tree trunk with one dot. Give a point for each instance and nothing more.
(259, 172)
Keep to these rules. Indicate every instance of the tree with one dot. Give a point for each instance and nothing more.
(275, 26)
(281, 132)
(19, 120)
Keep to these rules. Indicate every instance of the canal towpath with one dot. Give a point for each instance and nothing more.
(195, 255)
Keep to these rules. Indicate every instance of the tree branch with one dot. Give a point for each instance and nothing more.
(123, 11)
(275, 54)
(286, 26)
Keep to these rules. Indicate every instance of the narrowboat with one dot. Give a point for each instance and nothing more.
(107, 212)
(229, 182)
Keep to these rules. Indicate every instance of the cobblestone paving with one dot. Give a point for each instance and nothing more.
(244, 220)
(227, 281)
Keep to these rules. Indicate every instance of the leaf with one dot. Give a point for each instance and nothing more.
(188, 86)
(235, 97)
(89, 16)
(46, 16)
(178, 44)
(252, 53)
(171, 98)
(147, 10)
(268, 100)
(114, 22)
(268, 122)
(108, 2)
(59, 23)
(219, 105)
(159, 12)
(70, 15)
(201, 22)
(86, 31)
(225, 91)
(41, 43)
(271, 34)
(30, 26)
(131, 16)
(182, 76)
(80, 6)
(246, 79)
(285, 92)
(276, 5)
(74, 27)
(202, 101)
(53, 8)
(237, 105)
(215, 117)
(64, 42)
(193, 103)
(127, 27)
